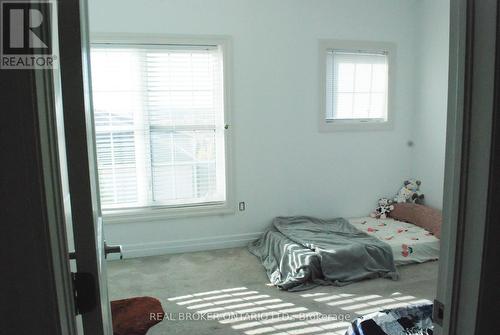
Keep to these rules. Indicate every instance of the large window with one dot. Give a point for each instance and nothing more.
(159, 125)
(356, 85)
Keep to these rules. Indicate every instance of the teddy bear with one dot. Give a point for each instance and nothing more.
(385, 206)
(410, 192)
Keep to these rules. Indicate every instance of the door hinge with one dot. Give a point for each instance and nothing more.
(438, 312)
(84, 292)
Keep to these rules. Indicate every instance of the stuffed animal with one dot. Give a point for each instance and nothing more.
(385, 206)
(410, 192)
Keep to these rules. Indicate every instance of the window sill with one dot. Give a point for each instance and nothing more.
(331, 126)
(149, 214)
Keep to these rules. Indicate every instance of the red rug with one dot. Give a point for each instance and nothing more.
(135, 316)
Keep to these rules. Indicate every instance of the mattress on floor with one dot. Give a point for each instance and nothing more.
(301, 252)
(409, 243)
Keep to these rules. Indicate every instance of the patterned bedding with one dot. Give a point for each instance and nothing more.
(409, 320)
(409, 243)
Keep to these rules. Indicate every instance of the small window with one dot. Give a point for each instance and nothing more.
(356, 85)
(160, 115)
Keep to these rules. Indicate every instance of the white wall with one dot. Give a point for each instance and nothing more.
(429, 130)
(282, 164)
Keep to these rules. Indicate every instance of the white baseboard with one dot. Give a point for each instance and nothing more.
(181, 246)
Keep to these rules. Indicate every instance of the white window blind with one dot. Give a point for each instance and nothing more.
(356, 85)
(159, 124)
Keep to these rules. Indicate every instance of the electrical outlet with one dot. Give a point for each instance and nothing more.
(242, 206)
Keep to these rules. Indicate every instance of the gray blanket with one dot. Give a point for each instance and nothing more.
(302, 252)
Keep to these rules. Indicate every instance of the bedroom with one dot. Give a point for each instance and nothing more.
(272, 58)
(251, 166)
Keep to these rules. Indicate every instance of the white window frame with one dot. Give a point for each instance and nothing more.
(160, 212)
(326, 45)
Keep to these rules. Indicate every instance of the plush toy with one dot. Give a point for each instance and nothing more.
(410, 192)
(385, 206)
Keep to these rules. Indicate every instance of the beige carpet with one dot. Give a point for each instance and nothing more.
(231, 289)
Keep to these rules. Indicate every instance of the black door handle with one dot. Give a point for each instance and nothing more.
(112, 249)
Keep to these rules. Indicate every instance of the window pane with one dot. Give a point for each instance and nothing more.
(206, 172)
(190, 172)
(379, 78)
(184, 147)
(122, 63)
(205, 146)
(361, 105)
(185, 182)
(117, 185)
(164, 182)
(116, 108)
(344, 106)
(357, 85)
(174, 182)
(363, 77)
(162, 147)
(117, 169)
(345, 77)
(377, 105)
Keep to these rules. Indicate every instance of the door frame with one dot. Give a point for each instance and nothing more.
(52, 151)
(51, 130)
(65, 121)
(471, 105)
(81, 159)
